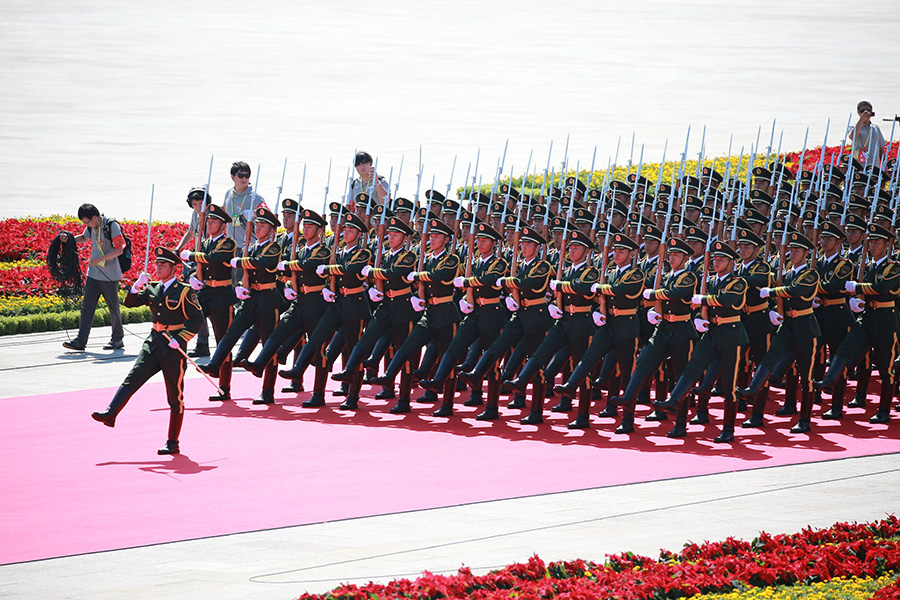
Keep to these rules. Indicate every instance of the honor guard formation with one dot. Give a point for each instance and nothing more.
(591, 297)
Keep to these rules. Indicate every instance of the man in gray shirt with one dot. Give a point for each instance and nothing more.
(868, 142)
(103, 275)
(240, 203)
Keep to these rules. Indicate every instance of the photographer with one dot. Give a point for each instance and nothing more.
(868, 142)
(103, 275)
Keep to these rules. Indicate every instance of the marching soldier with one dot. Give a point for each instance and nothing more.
(307, 303)
(797, 332)
(260, 303)
(617, 331)
(875, 329)
(674, 336)
(349, 310)
(176, 319)
(216, 291)
(833, 312)
(530, 320)
(483, 320)
(574, 326)
(441, 317)
(723, 334)
(394, 315)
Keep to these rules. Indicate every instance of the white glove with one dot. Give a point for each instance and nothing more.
(234, 262)
(185, 254)
(366, 270)
(595, 288)
(328, 295)
(775, 318)
(173, 344)
(196, 284)
(701, 325)
(409, 277)
(320, 270)
(850, 286)
(142, 280)
(647, 293)
(511, 304)
(282, 264)
(241, 292)
(554, 283)
(764, 292)
(290, 294)
(375, 295)
(417, 303)
(697, 299)
(857, 305)
(653, 317)
(554, 311)
(599, 318)
(465, 307)
(458, 282)
(816, 302)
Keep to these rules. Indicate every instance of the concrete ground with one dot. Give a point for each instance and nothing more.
(283, 563)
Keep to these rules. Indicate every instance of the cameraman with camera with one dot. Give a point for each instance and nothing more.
(868, 142)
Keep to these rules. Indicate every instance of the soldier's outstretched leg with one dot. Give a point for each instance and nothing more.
(120, 399)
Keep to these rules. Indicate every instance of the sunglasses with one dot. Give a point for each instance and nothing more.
(242, 175)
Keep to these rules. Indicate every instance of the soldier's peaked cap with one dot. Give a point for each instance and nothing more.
(165, 255)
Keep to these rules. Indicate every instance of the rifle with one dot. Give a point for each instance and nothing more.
(604, 261)
(201, 222)
(423, 242)
(680, 186)
(332, 280)
(780, 167)
(248, 232)
(327, 185)
(662, 256)
(634, 188)
(470, 243)
(562, 250)
(702, 153)
(662, 167)
(149, 228)
(280, 187)
(296, 237)
(379, 253)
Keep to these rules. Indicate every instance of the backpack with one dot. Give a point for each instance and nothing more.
(125, 257)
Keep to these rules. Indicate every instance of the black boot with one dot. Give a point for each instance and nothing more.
(760, 377)
(108, 417)
(176, 418)
(835, 369)
(267, 396)
(680, 391)
(446, 408)
(564, 405)
(536, 415)
(790, 396)
(352, 401)
(582, 420)
(863, 376)
(318, 396)
(199, 351)
(491, 412)
(884, 403)
(473, 377)
(475, 398)
(701, 414)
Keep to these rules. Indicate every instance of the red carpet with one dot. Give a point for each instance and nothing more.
(72, 485)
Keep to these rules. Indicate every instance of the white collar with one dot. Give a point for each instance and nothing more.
(167, 284)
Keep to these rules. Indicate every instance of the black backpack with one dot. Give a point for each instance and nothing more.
(125, 257)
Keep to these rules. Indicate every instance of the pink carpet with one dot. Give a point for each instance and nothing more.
(71, 485)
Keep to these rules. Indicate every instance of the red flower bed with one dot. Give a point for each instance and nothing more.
(844, 550)
(22, 239)
(832, 154)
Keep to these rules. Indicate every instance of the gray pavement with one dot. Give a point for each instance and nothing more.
(283, 563)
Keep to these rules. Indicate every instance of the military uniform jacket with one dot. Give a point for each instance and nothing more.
(577, 296)
(394, 268)
(347, 271)
(675, 296)
(757, 274)
(261, 265)
(308, 258)
(879, 289)
(176, 308)
(437, 275)
(797, 291)
(484, 280)
(726, 298)
(215, 255)
(532, 281)
(623, 289)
